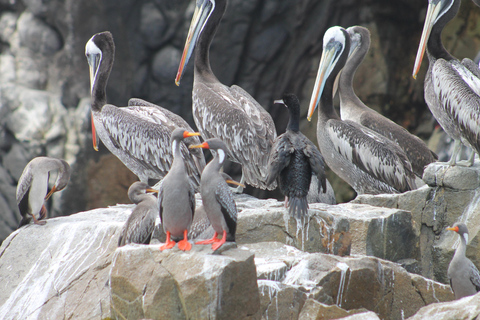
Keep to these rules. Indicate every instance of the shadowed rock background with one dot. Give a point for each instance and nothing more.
(265, 46)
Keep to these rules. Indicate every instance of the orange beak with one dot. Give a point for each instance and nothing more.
(203, 146)
(50, 193)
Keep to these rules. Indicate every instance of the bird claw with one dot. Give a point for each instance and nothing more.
(167, 245)
(184, 245)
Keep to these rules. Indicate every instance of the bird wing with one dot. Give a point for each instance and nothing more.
(24, 183)
(471, 66)
(475, 276)
(371, 153)
(279, 158)
(233, 116)
(159, 201)
(317, 163)
(144, 133)
(458, 91)
(229, 210)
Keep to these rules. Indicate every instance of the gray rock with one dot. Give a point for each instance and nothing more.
(37, 35)
(152, 25)
(15, 161)
(165, 64)
(456, 177)
(467, 308)
(8, 24)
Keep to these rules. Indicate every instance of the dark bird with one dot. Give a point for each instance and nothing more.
(367, 161)
(176, 196)
(217, 198)
(292, 161)
(141, 222)
(139, 135)
(452, 88)
(462, 273)
(33, 185)
(352, 108)
(227, 113)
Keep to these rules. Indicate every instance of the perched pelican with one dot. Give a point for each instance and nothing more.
(462, 273)
(176, 197)
(227, 113)
(292, 161)
(217, 198)
(33, 184)
(352, 108)
(141, 222)
(139, 135)
(452, 89)
(367, 161)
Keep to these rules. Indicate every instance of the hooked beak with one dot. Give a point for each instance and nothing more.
(93, 63)
(202, 12)
(279, 101)
(50, 193)
(203, 146)
(433, 11)
(327, 63)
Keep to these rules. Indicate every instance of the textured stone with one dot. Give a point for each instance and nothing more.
(314, 310)
(37, 35)
(152, 25)
(456, 177)
(467, 308)
(8, 24)
(165, 64)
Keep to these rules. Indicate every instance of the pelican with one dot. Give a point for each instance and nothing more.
(33, 184)
(141, 222)
(226, 113)
(139, 135)
(352, 108)
(452, 88)
(367, 161)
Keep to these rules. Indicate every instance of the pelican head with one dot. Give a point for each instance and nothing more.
(334, 43)
(435, 10)
(203, 11)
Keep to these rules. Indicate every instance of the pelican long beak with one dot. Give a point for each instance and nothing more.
(94, 134)
(93, 63)
(202, 12)
(327, 63)
(50, 193)
(203, 146)
(433, 11)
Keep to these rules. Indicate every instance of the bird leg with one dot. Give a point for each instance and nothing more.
(212, 240)
(469, 162)
(43, 213)
(456, 149)
(184, 244)
(218, 244)
(286, 202)
(169, 244)
(36, 221)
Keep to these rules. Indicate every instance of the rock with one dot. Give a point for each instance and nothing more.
(363, 316)
(165, 64)
(152, 25)
(183, 285)
(37, 35)
(8, 24)
(314, 310)
(62, 273)
(456, 177)
(280, 301)
(467, 308)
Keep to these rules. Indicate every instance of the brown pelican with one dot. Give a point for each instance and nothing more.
(352, 108)
(227, 113)
(367, 161)
(462, 273)
(217, 198)
(176, 196)
(292, 161)
(452, 88)
(33, 184)
(141, 222)
(139, 135)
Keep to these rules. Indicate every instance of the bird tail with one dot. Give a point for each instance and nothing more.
(298, 206)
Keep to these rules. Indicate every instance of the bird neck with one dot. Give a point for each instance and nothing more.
(99, 95)
(326, 109)
(202, 52)
(294, 121)
(434, 45)
(177, 163)
(462, 248)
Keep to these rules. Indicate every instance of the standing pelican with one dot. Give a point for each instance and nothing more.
(367, 161)
(452, 89)
(139, 135)
(227, 113)
(33, 184)
(292, 161)
(141, 222)
(217, 198)
(462, 273)
(176, 197)
(352, 108)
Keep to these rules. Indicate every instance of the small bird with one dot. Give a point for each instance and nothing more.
(33, 184)
(141, 222)
(462, 273)
(176, 196)
(292, 160)
(217, 197)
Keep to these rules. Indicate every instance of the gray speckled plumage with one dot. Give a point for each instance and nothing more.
(293, 159)
(463, 274)
(353, 109)
(33, 184)
(140, 224)
(139, 135)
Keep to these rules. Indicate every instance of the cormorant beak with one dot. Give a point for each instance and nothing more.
(151, 190)
(187, 134)
(433, 11)
(453, 229)
(203, 146)
(202, 12)
(327, 63)
(280, 101)
(50, 193)
(235, 183)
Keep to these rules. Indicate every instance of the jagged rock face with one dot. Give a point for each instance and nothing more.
(467, 308)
